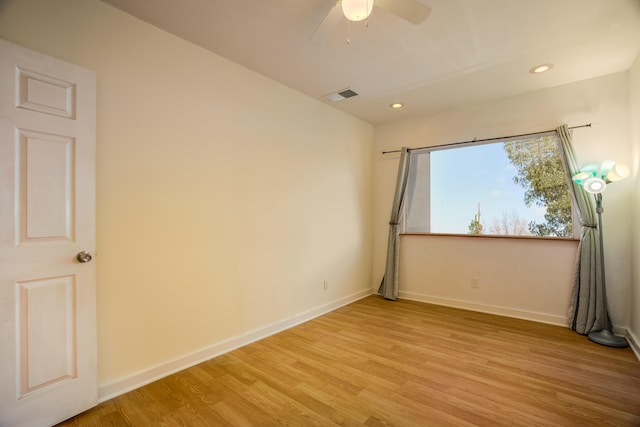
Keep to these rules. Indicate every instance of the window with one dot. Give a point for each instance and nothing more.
(510, 187)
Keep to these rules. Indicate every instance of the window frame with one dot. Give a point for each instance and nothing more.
(575, 234)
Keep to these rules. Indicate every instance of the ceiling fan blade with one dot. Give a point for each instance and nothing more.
(409, 10)
(328, 24)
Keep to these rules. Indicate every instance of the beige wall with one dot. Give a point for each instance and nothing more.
(443, 269)
(604, 102)
(635, 197)
(224, 199)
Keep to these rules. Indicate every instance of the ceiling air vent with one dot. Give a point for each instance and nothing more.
(339, 96)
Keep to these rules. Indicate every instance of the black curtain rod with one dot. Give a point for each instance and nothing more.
(588, 125)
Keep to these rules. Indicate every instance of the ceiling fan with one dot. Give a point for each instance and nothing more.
(411, 11)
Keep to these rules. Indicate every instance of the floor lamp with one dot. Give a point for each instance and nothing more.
(594, 180)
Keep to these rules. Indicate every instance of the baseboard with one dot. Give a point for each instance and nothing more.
(489, 309)
(139, 379)
(634, 343)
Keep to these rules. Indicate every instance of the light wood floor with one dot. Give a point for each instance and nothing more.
(382, 363)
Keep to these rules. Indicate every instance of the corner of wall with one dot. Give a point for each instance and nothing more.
(634, 343)
(634, 119)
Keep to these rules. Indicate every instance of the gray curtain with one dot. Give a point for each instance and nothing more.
(389, 286)
(588, 306)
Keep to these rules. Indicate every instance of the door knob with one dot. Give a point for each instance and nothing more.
(84, 256)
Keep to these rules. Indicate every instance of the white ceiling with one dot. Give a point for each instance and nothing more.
(466, 52)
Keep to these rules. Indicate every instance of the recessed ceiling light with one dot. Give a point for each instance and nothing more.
(541, 68)
(396, 105)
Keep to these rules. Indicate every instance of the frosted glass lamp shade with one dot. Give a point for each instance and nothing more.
(594, 185)
(581, 177)
(617, 172)
(357, 10)
(594, 178)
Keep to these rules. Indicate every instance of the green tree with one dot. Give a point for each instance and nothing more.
(541, 174)
(475, 227)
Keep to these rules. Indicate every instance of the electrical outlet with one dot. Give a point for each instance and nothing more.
(326, 285)
(475, 282)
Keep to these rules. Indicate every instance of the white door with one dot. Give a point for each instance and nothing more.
(48, 369)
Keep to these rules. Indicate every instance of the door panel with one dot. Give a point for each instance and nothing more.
(44, 174)
(45, 94)
(46, 312)
(48, 369)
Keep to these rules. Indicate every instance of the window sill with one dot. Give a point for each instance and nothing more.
(493, 236)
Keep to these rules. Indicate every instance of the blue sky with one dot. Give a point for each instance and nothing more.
(463, 177)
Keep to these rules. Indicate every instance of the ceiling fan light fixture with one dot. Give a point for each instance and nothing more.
(357, 10)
